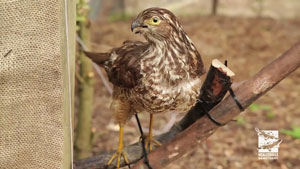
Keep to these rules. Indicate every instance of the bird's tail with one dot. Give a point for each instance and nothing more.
(99, 58)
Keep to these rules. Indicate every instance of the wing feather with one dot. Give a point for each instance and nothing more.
(124, 71)
(122, 64)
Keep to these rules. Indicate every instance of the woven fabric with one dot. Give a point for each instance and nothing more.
(31, 84)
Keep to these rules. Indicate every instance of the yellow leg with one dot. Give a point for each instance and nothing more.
(149, 139)
(119, 151)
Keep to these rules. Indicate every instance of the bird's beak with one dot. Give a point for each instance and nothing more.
(135, 24)
(138, 26)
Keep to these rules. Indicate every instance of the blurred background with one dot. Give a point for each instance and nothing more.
(248, 33)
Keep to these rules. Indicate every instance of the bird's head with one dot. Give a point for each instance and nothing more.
(155, 24)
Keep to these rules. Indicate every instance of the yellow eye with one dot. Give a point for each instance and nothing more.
(155, 21)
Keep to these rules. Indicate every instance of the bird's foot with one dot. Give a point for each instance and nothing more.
(118, 154)
(150, 141)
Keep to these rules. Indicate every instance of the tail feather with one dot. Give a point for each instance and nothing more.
(99, 58)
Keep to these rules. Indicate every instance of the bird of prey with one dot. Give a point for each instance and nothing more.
(159, 75)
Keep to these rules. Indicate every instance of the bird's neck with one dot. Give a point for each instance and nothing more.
(177, 45)
(170, 57)
(156, 42)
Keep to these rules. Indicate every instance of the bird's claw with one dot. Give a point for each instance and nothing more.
(118, 155)
(149, 141)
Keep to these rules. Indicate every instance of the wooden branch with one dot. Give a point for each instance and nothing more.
(215, 86)
(213, 90)
(246, 93)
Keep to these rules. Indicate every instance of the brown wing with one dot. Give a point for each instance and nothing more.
(124, 71)
(123, 64)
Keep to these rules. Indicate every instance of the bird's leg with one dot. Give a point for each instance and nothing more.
(149, 139)
(120, 151)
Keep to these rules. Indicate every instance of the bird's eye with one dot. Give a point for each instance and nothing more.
(155, 21)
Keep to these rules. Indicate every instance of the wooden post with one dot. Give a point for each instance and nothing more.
(69, 77)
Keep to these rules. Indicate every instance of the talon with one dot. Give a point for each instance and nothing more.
(120, 152)
(149, 141)
(125, 158)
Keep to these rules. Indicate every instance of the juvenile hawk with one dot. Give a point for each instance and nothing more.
(156, 76)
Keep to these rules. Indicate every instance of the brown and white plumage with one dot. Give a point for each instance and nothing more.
(156, 76)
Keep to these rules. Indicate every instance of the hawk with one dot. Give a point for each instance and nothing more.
(159, 75)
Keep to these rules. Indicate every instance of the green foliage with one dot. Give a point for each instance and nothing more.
(295, 132)
(82, 5)
(270, 115)
(254, 107)
(80, 18)
(262, 107)
(240, 120)
(258, 107)
(82, 10)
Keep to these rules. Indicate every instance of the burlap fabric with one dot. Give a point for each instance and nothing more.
(32, 92)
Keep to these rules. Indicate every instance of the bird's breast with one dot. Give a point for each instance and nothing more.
(166, 83)
(156, 97)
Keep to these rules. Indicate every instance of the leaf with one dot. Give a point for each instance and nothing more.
(254, 107)
(295, 132)
(270, 115)
(240, 120)
(257, 107)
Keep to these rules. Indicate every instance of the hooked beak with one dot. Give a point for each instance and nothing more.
(134, 25)
(137, 25)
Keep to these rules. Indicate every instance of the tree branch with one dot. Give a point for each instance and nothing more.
(217, 82)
